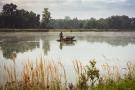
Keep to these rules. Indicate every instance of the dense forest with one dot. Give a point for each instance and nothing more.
(12, 17)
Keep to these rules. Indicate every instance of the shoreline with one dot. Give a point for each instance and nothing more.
(67, 30)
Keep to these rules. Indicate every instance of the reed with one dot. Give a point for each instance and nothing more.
(130, 74)
(51, 75)
(44, 75)
(77, 68)
(110, 73)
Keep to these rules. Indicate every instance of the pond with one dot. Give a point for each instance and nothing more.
(112, 48)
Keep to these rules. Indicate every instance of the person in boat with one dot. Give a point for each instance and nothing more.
(61, 36)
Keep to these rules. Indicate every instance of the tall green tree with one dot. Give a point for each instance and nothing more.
(46, 17)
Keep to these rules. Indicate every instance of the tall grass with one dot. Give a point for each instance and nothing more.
(113, 80)
(44, 75)
(50, 75)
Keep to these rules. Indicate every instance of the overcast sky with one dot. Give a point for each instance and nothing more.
(78, 8)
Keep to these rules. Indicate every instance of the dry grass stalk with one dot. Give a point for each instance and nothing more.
(78, 67)
(130, 70)
(43, 74)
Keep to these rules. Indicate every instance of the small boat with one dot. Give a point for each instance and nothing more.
(65, 39)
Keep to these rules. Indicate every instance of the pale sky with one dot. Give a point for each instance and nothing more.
(82, 9)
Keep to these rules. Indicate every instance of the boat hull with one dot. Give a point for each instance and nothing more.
(67, 39)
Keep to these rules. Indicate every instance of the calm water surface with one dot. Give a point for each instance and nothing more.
(112, 48)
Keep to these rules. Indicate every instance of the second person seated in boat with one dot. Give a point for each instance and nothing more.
(69, 38)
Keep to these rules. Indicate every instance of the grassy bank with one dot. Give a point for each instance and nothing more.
(63, 30)
(50, 75)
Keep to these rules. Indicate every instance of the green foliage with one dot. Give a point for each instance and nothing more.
(91, 23)
(113, 22)
(123, 84)
(90, 75)
(11, 17)
(46, 17)
(92, 72)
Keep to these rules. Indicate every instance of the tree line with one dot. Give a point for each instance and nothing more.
(11, 17)
(113, 22)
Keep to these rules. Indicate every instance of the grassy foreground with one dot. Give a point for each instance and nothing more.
(50, 75)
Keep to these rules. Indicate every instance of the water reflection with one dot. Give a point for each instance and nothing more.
(66, 43)
(8, 48)
(22, 43)
(46, 46)
(113, 41)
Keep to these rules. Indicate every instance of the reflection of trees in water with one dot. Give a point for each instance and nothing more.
(9, 47)
(66, 43)
(114, 41)
(46, 46)
(20, 44)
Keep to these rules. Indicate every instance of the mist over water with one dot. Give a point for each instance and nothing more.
(112, 48)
